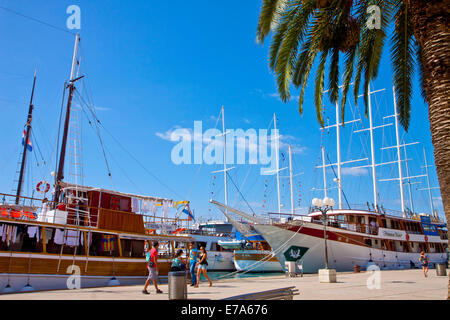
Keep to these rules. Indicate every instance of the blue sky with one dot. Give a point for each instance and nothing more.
(154, 66)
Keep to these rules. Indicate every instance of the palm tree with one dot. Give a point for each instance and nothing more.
(357, 30)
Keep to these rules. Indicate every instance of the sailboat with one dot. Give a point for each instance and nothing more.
(86, 236)
(354, 237)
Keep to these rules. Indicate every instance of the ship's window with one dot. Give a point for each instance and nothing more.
(376, 241)
(125, 204)
(102, 244)
(132, 248)
(17, 238)
(73, 241)
(368, 242)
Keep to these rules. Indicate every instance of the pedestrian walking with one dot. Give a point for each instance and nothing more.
(202, 264)
(152, 266)
(192, 262)
(425, 261)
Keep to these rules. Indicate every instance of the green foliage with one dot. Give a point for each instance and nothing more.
(403, 50)
(302, 30)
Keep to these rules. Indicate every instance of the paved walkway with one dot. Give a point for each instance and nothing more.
(404, 284)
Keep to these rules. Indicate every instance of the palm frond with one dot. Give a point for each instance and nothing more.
(372, 42)
(403, 62)
(348, 73)
(318, 92)
(423, 85)
(279, 33)
(267, 18)
(333, 78)
(287, 54)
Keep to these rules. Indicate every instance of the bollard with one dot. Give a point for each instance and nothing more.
(441, 269)
(177, 285)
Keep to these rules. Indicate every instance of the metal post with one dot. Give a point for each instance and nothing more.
(324, 218)
(291, 181)
(399, 158)
(277, 158)
(338, 146)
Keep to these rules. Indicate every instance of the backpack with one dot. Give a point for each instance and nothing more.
(147, 257)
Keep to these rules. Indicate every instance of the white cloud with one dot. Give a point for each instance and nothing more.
(166, 135)
(354, 171)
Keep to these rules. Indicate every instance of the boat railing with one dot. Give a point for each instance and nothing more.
(76, 214)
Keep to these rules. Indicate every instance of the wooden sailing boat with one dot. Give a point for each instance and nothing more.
(85, 237)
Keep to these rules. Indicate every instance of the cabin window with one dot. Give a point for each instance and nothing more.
(115, 203)
(102, 244)
(132, 248)
(368, 242)
(73, 241)
(20, 238)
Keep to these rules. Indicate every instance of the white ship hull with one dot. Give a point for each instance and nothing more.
(341, 256)
(220, 261)
(250, 260)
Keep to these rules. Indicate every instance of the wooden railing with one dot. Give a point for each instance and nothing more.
(287, 293)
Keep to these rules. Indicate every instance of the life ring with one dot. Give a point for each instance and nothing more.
(43, 187)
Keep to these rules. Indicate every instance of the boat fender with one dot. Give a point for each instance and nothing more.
(113, 282)
(27, 288)
(8, 289)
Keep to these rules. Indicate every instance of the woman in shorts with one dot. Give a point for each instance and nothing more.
(202, 264)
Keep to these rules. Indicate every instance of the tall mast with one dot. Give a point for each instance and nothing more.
(291, 181)
(25, 142)
(277, 158)
(324, 173)
(372, 151)
(338, 146)
(225, 158)
(428, 182)
(399, 158)
(409, 179)
(60, 174)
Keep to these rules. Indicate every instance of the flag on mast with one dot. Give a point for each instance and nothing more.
(29, 145)
(187, 211)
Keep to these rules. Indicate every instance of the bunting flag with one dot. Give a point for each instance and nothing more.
(29, 145)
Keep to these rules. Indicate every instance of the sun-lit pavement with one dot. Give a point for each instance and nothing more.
(404, 284)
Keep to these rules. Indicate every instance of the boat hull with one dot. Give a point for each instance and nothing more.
(342, 256)
(220, 261)
(50, 272)
(251, 261)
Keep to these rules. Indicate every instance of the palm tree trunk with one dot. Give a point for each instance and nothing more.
(431, 29)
